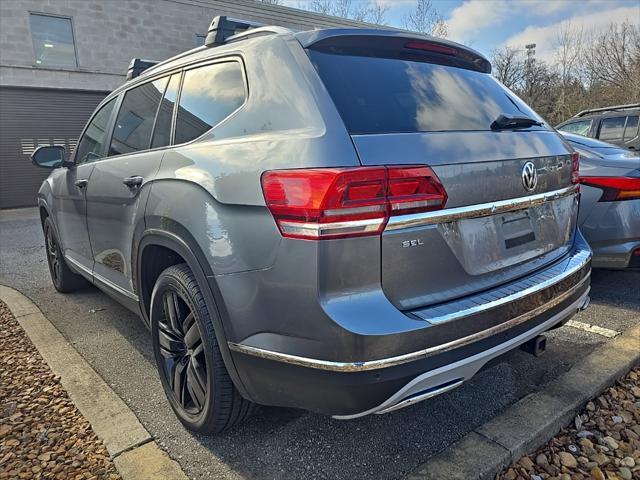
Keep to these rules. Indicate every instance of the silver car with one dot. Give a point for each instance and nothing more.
(610, 201)
(344, 221)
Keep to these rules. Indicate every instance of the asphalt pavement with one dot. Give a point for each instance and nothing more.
(285, 443)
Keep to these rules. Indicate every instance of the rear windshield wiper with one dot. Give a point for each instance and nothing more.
(506, 121)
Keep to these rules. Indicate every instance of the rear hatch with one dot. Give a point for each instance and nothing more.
(406, 102)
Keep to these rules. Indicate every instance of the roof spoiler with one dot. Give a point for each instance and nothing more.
(393, 41)
(608, 109)
(223, 27)
(137, 66)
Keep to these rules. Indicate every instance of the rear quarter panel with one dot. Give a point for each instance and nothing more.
(211, 186)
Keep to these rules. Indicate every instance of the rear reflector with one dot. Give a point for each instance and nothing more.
(321, 203)
(431, 47)
(615, 188)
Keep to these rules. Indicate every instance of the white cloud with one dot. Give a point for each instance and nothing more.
(544, 36)
(546, 7)
(474, 15)
(395, 3)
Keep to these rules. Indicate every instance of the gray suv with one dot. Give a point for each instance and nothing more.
(343, 221)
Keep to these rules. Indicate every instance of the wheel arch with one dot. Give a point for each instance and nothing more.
(43, 210)
(187, 249)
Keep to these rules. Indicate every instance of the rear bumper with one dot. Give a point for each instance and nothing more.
(457, 340)
(613, 231)
(616, 255)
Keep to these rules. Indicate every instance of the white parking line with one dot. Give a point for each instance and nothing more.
(605, 332)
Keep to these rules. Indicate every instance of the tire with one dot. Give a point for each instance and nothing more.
(192, 372)
(64, 280)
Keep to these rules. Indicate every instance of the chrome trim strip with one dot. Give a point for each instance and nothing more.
(578, 260)
(78, 265)
(100, 278)
(317, 230)
(419, 398)
(407, 357)
(465, 368)
(476, 211)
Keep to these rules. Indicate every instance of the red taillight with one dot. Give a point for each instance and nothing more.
(575, 168)
(615, 188)
(431, 47)
(323, 203)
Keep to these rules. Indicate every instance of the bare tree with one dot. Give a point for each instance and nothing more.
(370, 11)
(342, 8)
(337, 8)
(568, 52)
(425, 19)
(614, 60)
(378, 13)
(321, 6)
(508, 67)
(597, 69)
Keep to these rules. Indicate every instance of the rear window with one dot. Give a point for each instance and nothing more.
(391, 95)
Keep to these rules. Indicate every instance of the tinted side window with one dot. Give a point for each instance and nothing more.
(133, 127)
(91, 143)
(632, 128)
(611, 128)
(579, 128)
(162, 132)
(209, 95)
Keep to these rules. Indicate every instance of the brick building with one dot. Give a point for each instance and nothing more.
(59, 58)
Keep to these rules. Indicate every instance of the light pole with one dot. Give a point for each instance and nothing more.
(531, 53)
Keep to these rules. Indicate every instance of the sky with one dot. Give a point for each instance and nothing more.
(489, 24)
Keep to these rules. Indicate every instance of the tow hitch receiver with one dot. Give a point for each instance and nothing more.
(536, 346)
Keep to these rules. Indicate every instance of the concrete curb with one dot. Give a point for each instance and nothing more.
(534, 419)
(135, 453)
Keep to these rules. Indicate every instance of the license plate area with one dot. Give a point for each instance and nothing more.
(494, 242)
(517, 229)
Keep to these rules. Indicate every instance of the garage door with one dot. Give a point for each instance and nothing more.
(31, 117)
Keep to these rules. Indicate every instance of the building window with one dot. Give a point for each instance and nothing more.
(53, 43)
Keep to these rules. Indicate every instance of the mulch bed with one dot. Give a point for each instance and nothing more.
(603, 443)
(42, 433)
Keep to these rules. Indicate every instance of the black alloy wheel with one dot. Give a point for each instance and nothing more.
(62, 277)
(53, 256)
(182, 350)
(192, 371)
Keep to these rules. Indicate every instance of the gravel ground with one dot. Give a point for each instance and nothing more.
(42, 434)
(602, 444)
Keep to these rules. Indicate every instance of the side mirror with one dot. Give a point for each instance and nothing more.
(49, 156)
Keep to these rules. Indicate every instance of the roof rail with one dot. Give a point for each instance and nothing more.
(137, 66)
(223, 27)
(607, 109)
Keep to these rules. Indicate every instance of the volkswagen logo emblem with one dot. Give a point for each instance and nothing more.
(529, 176)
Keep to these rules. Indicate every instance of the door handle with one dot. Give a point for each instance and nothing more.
(81, 183)
(134, 181)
